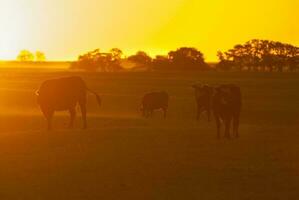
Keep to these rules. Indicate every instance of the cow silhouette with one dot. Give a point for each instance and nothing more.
(203, 98)
(154, 101)
(63, 94)
(227, 103)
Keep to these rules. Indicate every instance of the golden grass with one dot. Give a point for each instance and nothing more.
(122, 156)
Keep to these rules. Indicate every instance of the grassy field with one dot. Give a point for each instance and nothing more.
(123, 156)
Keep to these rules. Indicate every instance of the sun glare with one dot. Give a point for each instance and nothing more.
(64, 29)
(13, 30)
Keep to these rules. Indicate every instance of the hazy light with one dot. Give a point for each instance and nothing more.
(63, 29)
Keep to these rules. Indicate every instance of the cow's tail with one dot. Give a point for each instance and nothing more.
(99, 100)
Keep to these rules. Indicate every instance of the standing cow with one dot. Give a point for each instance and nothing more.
(63, 94)
(227, 103)
(154, 101)
(203, 98)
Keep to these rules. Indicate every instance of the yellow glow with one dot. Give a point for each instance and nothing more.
(65, 28)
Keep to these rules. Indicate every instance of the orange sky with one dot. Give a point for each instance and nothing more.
(65, 28)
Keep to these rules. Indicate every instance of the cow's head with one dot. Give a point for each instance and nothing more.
(37, 94)
(202, 90)
(224, 94)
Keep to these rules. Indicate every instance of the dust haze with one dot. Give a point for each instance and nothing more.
(125, 156)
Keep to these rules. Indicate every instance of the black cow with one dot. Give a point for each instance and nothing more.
(154, 101)
(63, 94)
(227, 103)
(203, 98)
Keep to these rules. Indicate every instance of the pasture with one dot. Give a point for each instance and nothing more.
(124, 156)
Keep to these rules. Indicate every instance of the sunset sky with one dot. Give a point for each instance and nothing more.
(63, 29)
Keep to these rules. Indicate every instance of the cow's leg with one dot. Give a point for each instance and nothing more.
(49, 116)
(165, 112)
(209, 114)
(82, 105)
(227, 122)
(145, 113)
(198, 112)
(236, 125)
(72, 115)
(151, 112)
(218, 124)
(83, 111)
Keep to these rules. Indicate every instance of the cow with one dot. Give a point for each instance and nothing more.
(227, 103)
(63, 94)
(203, 98)
(154, 101)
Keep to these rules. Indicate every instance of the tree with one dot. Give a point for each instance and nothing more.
(293, 58)
(114, 60)
(141, 59)
(98, 61)
(40, 56)
(161, 63)
(116, 54)
(187, 58)
(261, 55)
(224, 63)
(25, 56)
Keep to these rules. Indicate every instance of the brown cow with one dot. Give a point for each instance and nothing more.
(203, 98)
(154, 101)
(227, 103)
(63, 94)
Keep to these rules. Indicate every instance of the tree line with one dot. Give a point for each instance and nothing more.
(28, 56)
(184, 58)
(254, 55)
(260, 55)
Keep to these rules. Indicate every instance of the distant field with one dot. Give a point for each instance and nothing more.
(35, 65)
(123, 156)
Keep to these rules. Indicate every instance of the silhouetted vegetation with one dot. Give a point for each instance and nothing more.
(40, 56)
(260, 55)
(25, 56)
(28, 56)
(254, 55)
(184, 58)
(141, 59)
(98, 61)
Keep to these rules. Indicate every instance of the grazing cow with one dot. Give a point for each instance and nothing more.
(154, 101)
(227, 103)
(63, 94)
(203, 98)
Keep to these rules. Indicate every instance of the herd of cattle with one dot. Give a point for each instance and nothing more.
(224, 101)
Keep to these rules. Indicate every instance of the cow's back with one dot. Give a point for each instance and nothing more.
(155, 100)
(203, 96)
(62, 93)
(233, 102)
